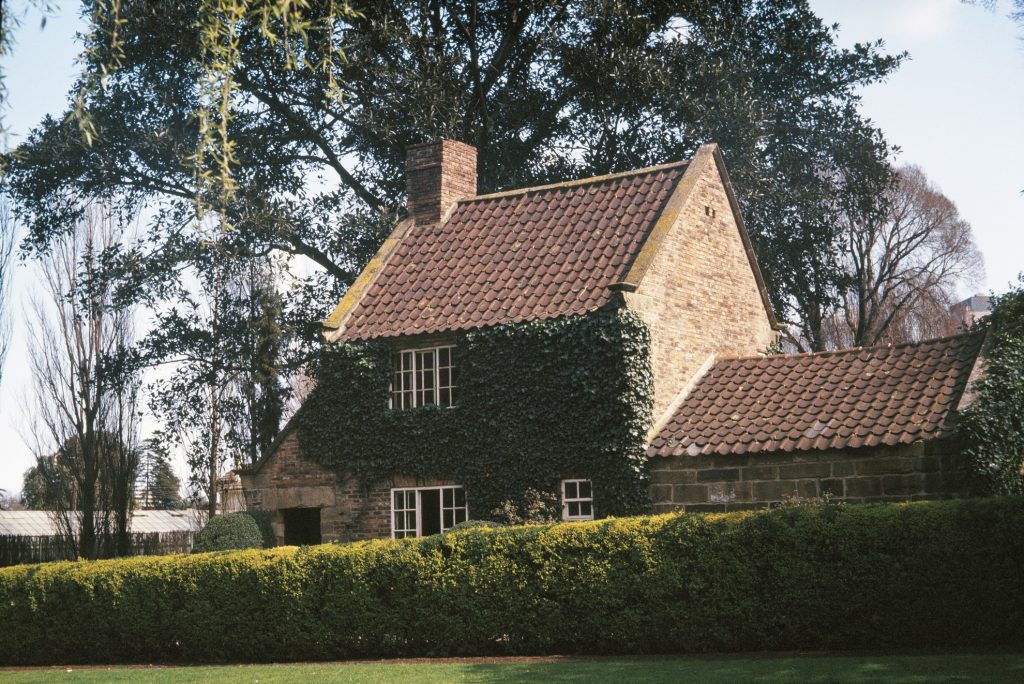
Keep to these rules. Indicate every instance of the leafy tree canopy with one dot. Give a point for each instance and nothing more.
(545, 90)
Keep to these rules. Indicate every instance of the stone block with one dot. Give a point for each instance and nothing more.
(892, 465)
(833, 486)
(718, 475)
(862, 487)
(903, 484)
(773, 490)
(760, 472)
(800, 471)
(807, 489)
(661, 492)
(844, 468)
(687, 494)
(673, 476)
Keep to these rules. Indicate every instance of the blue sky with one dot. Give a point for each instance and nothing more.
(956, 109)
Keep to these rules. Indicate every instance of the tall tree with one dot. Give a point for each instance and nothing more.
(84, 412)
(906, 260)
(545, 90)
(158, 488)
(6, 250)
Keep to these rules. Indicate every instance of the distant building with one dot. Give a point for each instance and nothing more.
(36, 537)
(973, 308)
(230, 497)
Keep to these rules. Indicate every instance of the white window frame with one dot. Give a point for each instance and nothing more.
(415, 372)
(577, 499)
(418, 531)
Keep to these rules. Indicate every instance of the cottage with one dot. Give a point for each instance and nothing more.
(691, 407)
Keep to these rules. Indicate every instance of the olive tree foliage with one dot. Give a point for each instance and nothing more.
(1016, 8)
(84, 412)
(12, 14)
(905, 263)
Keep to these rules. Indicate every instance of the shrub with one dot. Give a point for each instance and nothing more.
(263, 519)
(473, 525)
(937, 575)
(992, 426)
(229, 532)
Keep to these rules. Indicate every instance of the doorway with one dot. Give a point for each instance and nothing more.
(301, 526)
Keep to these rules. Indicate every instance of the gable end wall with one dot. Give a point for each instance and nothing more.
(699, 297)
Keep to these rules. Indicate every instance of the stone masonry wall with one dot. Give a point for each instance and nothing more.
(348, 511)
(738, 482)
(699, 296)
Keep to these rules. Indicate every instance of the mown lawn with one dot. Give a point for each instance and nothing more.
(859, 669)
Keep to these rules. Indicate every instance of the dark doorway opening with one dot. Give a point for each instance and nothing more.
(430, 511)
(301, 526)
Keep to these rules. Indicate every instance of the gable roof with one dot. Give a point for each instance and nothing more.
(534, 253)
(852, 398)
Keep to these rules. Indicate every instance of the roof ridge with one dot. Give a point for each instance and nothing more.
(574, 183)
(851, 350)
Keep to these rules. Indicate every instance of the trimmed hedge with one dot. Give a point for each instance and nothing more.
(229, 532)
(921, 575)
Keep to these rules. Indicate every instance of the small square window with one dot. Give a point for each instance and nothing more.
(577, 500)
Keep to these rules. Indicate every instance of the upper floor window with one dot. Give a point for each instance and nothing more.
(422, 377)
(577, 500)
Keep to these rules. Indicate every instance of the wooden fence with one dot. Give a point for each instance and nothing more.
(16, 550)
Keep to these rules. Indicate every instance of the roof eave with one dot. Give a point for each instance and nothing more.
(334, 325)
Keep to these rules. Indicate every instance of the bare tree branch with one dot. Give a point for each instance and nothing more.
(85, 409)
(905, 264)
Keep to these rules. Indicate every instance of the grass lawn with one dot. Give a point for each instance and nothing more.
(855, 669)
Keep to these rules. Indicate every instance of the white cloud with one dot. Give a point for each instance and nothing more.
(919, 21)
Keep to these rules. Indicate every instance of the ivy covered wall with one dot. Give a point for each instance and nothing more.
(538, 401)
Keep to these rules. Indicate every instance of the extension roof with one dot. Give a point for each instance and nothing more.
(534, 253)
(861, 397)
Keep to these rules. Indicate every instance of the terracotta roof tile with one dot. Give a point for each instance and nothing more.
(830, 400)
(537, 253)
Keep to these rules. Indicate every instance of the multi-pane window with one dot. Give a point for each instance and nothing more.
(422, 377)
(453, 507)
(577, 500)
(403, 513)
(420, 511)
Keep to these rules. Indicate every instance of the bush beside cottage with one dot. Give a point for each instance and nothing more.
(891, 576)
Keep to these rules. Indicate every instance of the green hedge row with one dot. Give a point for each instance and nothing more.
(929, 574)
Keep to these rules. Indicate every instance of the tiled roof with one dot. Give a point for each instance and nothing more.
(830, 400)
(516, 256)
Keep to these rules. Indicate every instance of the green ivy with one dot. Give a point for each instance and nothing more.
(538, 401)
(993, 425)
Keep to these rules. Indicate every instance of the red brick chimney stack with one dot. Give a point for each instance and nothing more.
(437, 175)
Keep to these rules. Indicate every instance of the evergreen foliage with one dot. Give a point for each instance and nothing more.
(158, 487)
(538, 402)
(229, 532)
(925, 575)
(993, 425)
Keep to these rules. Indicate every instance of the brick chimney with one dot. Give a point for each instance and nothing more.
(437, 175)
